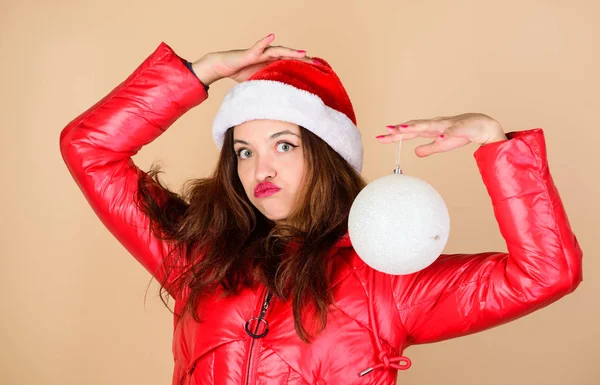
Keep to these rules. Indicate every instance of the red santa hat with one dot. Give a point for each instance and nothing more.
(309, 95)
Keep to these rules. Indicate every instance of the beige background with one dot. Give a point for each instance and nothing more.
(73, 309)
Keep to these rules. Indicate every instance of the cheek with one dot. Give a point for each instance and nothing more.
(298, 172)
(243, 174)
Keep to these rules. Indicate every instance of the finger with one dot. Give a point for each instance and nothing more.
(395, 133)
(263, 43)
(306, 59)
(281, 52)
(270, 60)
(436, 125)
(428, 149)
(401, 130)
(440, 144)
(391, 138)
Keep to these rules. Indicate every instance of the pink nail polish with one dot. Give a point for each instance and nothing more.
(302, 51)
(404, 125)
(391, 126)
(380, 136)
(442, 136)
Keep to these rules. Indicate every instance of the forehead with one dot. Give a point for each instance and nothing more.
(262, 129)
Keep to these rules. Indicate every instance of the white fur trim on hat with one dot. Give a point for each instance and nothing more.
(267, 99)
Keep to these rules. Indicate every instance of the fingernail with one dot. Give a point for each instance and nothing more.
(302, 51)
(391, 126)
(404, 125)
(380, 136)
(442, 136)
(315, 61)
(271, 34)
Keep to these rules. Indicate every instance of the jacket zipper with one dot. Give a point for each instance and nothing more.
(256, 337)
(188, 373)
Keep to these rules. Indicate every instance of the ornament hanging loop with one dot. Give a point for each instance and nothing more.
(398, 170)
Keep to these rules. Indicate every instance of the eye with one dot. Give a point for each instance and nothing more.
(285, 146)
(240, 153)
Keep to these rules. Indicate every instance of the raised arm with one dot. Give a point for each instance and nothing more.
(97, 147)
(464, 293)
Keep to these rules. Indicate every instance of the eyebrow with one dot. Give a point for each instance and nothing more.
(271, 137)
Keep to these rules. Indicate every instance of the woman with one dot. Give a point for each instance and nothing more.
(267, 286)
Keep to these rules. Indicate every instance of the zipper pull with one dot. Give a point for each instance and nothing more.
(259, 321)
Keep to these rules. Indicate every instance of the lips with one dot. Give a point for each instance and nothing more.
(265, 189)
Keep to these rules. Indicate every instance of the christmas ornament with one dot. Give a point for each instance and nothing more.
(398, 224)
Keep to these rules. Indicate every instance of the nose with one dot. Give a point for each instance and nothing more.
(265, 167)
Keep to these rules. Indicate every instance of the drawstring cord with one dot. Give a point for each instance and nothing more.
(395, 362)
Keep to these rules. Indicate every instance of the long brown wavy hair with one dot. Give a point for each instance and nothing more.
(225, 241)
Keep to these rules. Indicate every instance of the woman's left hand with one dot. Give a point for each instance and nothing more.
(449, 132)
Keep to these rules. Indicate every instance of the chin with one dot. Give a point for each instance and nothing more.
(276, 217)
(274, 211)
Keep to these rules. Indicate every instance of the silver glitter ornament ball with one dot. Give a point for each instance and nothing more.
(398, 224)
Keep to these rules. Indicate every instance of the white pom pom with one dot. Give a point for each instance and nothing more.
(399, 224)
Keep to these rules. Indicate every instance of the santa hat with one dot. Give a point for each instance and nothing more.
(309, 95)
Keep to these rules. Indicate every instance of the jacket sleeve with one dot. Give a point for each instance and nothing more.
(464, 293)
(98, 145)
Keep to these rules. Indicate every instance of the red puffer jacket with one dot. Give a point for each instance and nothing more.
(376, 316)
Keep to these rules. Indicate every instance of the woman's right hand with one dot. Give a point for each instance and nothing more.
(240, 64)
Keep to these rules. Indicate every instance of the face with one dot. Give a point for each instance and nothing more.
(270, 151)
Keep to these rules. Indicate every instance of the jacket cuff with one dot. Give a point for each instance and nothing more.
(513, 167)
(189, 66)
